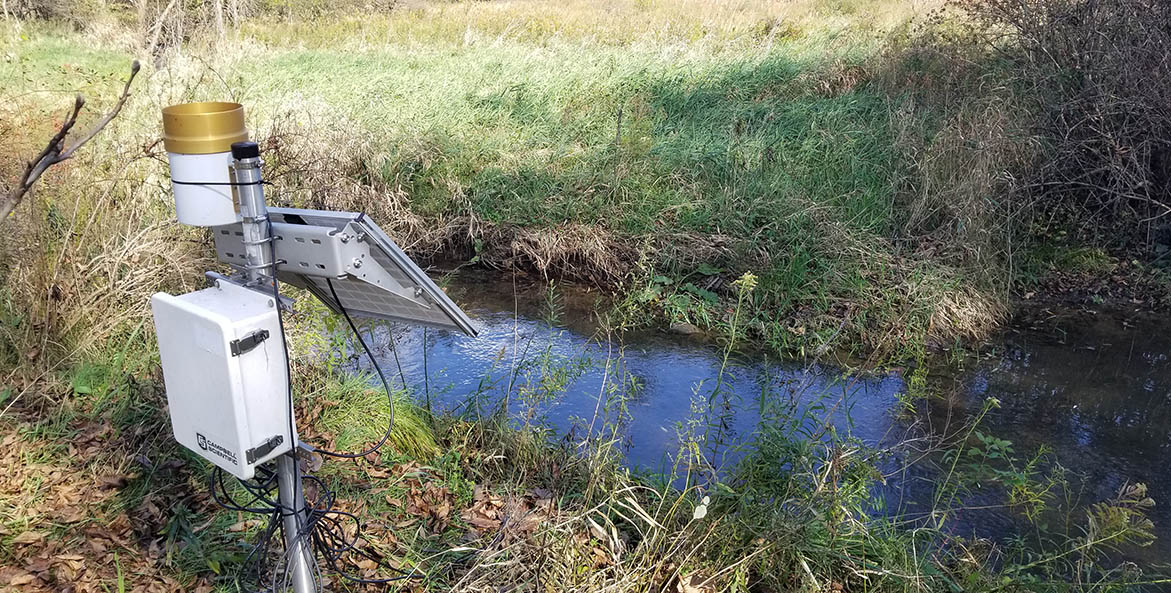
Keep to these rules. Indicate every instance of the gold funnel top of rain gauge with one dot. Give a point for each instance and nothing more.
(203, 128)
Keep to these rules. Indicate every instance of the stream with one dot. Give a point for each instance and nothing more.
(1094, 388)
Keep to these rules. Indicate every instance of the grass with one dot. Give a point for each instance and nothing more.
(725, 24)
(355, 415)
(490, 501)
(729, 136)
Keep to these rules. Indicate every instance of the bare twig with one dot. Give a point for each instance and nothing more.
(158, 28)
(57, 150)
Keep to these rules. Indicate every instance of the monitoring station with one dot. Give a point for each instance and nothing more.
(223, 350)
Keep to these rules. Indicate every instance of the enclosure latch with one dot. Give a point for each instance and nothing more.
(248, 342)
(264, 449)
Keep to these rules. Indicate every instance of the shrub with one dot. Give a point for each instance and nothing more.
(1099, 75)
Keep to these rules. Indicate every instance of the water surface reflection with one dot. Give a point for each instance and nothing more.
(1093, 388)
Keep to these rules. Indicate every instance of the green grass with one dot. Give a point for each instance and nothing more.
(55, 64)
(747, 151)
(1080, 260)
(532, 138)
(746, 148)
(796, 512)
(664, 147)
(357, 416)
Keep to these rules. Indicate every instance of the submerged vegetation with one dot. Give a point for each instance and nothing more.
(814, 176)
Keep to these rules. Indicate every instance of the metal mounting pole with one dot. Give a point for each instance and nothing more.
(261, 271)
(248, 191)
(290, 495)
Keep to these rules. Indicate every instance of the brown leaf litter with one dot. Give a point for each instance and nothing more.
(61, 520)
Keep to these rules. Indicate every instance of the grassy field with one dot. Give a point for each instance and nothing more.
(656, 150)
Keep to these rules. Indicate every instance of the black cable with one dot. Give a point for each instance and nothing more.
(253, 566)
(318, 517)
(229, 183)
(324, 530)
(282, 510)
(331, 542)
(329, 539)
(378, 368)
(402, 377)
(426, 377)
(280, 316)
(224, 498)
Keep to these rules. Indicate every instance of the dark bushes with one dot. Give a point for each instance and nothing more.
(1099, 74)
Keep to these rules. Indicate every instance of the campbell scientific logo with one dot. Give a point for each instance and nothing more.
(217, 449)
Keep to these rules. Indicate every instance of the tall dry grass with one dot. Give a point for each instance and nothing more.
(873, 191)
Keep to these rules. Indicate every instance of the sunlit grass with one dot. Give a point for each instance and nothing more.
(357, 415)
(677, 141)
(719, 24)
(732, 136)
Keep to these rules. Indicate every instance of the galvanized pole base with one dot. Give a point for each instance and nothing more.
(298, 552)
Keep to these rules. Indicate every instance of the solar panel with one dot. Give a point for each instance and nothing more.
(369, 272)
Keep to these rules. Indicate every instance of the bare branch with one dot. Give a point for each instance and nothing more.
(56, 150)
(35, 167)
(134, 67)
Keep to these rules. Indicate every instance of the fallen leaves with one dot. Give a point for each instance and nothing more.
(520, 515)
(486, 510)
(694, 583)
(66, 540)
(29, 537)
(426, 498)
(116, 482)
(432, 501)
(241, 526)
(73, 514)
(19, 578)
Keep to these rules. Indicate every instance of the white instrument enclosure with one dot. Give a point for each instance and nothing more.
(227, 390)
(203, 194)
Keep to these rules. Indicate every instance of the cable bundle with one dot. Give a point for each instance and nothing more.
(324, 531)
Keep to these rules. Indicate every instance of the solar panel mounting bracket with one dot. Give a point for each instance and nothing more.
(322, 252)
(348, 249)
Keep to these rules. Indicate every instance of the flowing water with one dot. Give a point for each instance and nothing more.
(1094, 388)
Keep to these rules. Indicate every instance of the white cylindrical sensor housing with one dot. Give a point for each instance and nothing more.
(198, 138)
(202, 187)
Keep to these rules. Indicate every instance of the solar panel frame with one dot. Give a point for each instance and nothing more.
(430, 307)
